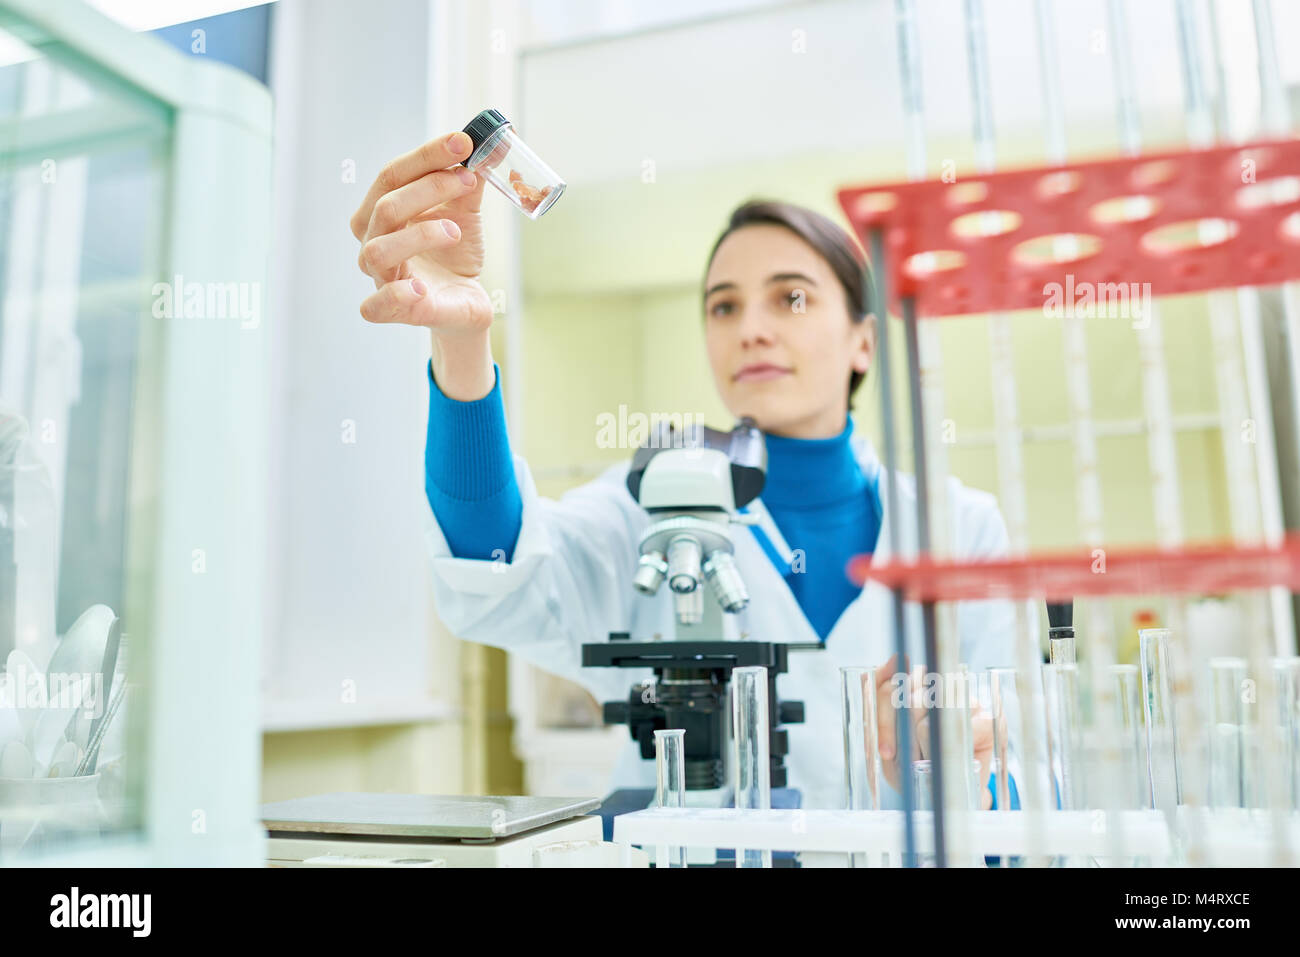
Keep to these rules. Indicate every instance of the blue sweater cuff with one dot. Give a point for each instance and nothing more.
(467, 456)
(469, 474)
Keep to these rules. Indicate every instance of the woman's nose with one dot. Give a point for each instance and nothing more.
(755, 327)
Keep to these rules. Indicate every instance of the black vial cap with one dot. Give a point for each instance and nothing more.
(483, 126)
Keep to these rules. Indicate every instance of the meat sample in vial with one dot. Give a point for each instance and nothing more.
(530, 197)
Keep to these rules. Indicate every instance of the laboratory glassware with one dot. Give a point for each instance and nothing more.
(1003, 702)
(670, 777)
(861, 739)
(1230, 762)
(922, 777)
(750, 730)
(502, 158)
(1164, 772)
(921, 774)
(1286, 691)
(861, 744)
(1065, 735)
(965, 698)
(1130, 787)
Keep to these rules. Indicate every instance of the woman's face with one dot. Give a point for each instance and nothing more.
(781, 341)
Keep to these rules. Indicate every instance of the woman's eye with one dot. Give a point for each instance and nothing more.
(794, 299)
(720, 309)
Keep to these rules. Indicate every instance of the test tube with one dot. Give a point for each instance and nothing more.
(670, 776)
(1002, 705)
(1164, 773)
(1065, 734)
(923, 789)
(922, 776)
(965, 702)
(861, 745)
(1286, 677)
(1228, 783)
(861, 739)
(752, 764)
(1131, 790)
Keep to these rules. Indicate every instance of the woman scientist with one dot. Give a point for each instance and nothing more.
(789, 339)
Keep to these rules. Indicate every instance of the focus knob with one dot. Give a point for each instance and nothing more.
(789, 712)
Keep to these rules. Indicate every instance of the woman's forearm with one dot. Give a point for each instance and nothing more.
(469, 476)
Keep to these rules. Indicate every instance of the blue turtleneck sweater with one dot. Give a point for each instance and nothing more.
(823, 505)
(827, 511)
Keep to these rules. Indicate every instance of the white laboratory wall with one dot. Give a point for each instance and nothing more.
(761, 102)
(348, 569)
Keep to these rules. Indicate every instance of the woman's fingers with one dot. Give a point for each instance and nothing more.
(885, 710)
(982, 738)
(436, 154)
(394, 210)
(888, 694)
(470, 202)
(405, 301)
(920, 721)
(382, 256)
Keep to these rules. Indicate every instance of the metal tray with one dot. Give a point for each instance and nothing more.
(421, 815)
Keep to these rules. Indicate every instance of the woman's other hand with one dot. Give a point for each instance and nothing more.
(889, 688)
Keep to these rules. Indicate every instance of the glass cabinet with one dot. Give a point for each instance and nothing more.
(134, 230)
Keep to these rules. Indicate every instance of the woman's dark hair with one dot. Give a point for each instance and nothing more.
(832, 243)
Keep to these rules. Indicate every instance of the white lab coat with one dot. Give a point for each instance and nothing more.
(570, 583)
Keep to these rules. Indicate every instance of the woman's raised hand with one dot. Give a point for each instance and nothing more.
(422, 241)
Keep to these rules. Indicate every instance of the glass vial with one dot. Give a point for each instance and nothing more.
(507, 162)
(752, 763)
(670, 776)
(1164, 772)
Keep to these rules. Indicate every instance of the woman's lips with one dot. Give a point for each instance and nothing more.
(761, 373)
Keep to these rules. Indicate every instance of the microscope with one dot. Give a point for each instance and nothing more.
(693, 482)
